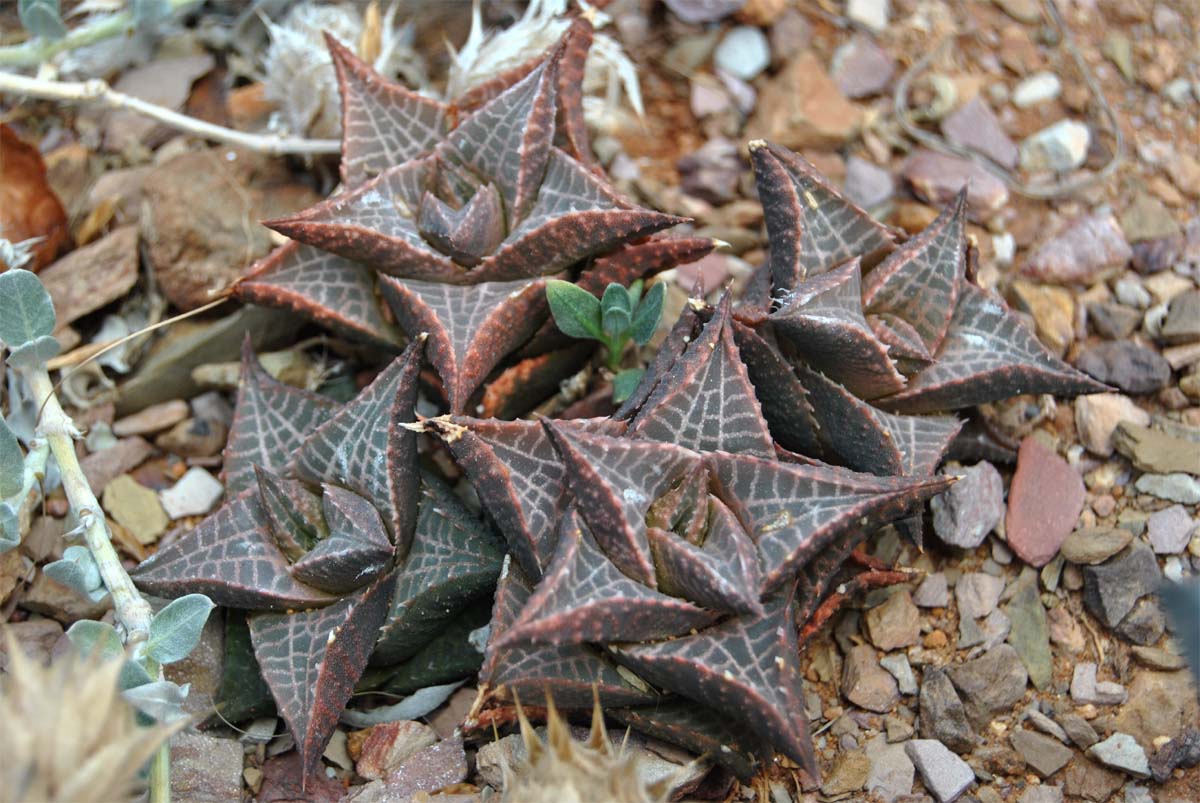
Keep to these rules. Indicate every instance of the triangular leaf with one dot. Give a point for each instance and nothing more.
(700, 729)
(785, 403)
(293, 514)
(356, 551)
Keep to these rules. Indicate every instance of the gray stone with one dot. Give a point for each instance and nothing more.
(1045, 724)
(1122, 752)
(205, 769)
(934, 592)
(865, 683)
(945, 775)
(943, 716)
(1085, 688)
(988, 632)
(861, 68)
(712, 171)
(974, 125)
(1111, 589)
(1137, 794)
(1081, 732)
(1181, 752)
(892, 771)
(1041, 794)
(1144, 624)
(974, 505)
(1112, 321)
(867, 185)
(1091, 545)
(1170, 530)
(743, 52)
(1037, 88)
(894, 624)
(977, 594)
(427, 770)
(1183, 319)
(990, 684)
(898, 667)
(1043, 754)
(1060, 147)
(695, 11)
(1181, 488)
(1126, 365)
(1030, 633)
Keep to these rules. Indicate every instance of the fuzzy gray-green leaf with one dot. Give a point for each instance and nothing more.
(28, 310)
(12, 463)
(648, 313)
(175, 630)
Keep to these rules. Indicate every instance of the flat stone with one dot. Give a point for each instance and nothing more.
(936, 178)
(1091, 781)
(1089, 247)
(1030, 634)
(1156, 658)
(1086, 689)
(1041, 794)
(934, 592)
(1026, 11)
(1144, 624)
(945, 775)
(1170, 530)
(390, 744)
(894, 624)
(1161, 704)
(849, 773)
(1045, 724)
(104, 466)
(195, 494)
(943, 716)
(1122, 752)
(1156, 256)
(1080, 731)
(1148, 219)
(1053, 311)
(93, 276)
(427, 770)
(990, 684)
(1036, 89)
(51, 598)
(1154, 451)
(1111, 589)
(1044, 755)
(865, 683)
(971, 508)
(974, 125)
(1182, 488)
(712, 172)
(1060, 147)
(898, 667)
(1183, 319)
(1128, 366)
(136, 508)
(1113, 321)
(165, 82)
(1044, 503)
(154, 418)
(988, 632)
(194, 437)
(861, 68)
(697, 11)
(1097, 416)
(867, 185)
(802, 107)
(977, 594)
(892, 772)
(205, 769)
(1088, 546)
(743, 52)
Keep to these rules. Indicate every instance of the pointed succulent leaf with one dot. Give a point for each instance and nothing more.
(683, 508)
(919, 282)
(722, 575)
(366, 448)
(747, 668)
(706, 402)
(312, 659)
(902, 339)
(357, 550)
(452, 654)
(866, 438)
(794, 511)
(669, 351)
(987, 354)
(471, 329)
(785, 403)
(231, 558)
(466, 234)
(518, 476)
(270, 422)
(293, 514)
(508, 139)
(577, 215)
(383, 124)
(455, 559)
(572, 674)
(375, 224)
(811, 226)
(329, 289)
(583, 597)
(822, 320)
(613, 482)
(576, 312)
(699, 729)
(576, 43)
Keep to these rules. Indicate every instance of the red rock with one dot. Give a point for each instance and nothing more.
(936, 178)
(801, 107)
(1044, 503)
(389, 744)
(282, 782)
(1088, 248)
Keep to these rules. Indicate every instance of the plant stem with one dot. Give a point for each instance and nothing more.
(38, 50)
(98, 92)
(133, 612)
(616, 349)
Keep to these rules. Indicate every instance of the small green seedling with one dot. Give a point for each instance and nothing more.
(619, 316)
